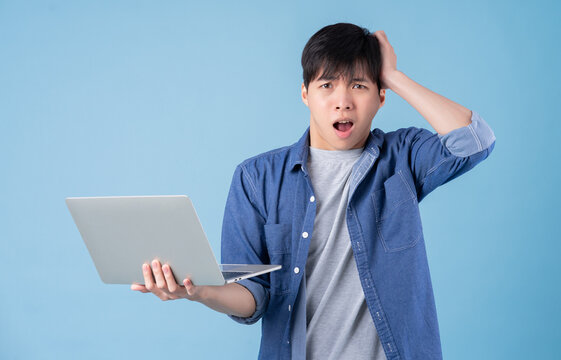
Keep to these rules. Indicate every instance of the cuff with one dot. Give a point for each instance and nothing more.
(470, 139)
(261, 296)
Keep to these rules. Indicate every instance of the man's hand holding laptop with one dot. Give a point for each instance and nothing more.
(160, 281)
(232, 298)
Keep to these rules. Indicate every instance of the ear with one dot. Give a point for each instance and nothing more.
(304, 95)
(382, 97)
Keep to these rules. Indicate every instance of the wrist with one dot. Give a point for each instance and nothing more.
(392, 79)
(202, 295)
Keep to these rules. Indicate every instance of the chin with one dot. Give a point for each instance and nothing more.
(347, 145)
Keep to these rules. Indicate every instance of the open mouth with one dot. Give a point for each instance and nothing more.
(343, 128)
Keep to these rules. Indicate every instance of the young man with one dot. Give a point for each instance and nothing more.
(339, 211)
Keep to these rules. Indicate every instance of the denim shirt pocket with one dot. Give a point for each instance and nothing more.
(278, 238)
(397, 214)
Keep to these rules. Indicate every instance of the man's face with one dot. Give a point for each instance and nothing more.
(341, 111)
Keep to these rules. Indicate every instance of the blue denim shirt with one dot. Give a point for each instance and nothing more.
(269, 219)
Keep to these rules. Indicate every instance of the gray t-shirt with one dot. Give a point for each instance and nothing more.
(339, 325)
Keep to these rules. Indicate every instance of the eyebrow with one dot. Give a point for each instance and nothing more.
(331, 78)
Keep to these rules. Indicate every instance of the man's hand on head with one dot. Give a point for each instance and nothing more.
(159, 280)
(389, 59)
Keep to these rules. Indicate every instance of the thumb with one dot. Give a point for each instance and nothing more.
(189, 287)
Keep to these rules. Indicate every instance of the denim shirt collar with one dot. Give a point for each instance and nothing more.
(300, 150)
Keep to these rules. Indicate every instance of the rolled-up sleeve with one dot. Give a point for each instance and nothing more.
(243, 239)
(261, 296)
(470, 139)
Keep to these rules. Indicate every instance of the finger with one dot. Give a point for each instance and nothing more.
(159, 276)
(150, 285)
(381, 36)
(170, 280)
(139, 287)
(148, 278)
(381, 33)
(189, 287)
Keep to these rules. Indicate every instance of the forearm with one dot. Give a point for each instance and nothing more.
(231, 299)
(443, 114)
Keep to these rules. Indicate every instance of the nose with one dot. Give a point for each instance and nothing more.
(343, 99)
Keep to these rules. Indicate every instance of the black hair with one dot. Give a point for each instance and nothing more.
(339, 49)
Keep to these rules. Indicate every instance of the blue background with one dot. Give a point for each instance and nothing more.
(144, 97)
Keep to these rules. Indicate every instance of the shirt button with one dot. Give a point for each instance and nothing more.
(312, 198)
(305, 235)
(296, 270)
(289, 308)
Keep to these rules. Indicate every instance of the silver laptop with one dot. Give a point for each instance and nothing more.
(124, 232)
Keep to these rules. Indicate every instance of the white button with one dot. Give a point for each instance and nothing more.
(312, 198)
(296, 270)
(289, 307)
(305, 235)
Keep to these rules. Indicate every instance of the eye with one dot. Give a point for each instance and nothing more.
(361, 86)
(323, 86)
